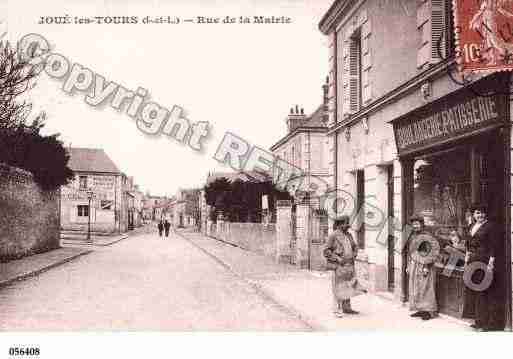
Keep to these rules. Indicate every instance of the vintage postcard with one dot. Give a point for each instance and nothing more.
(288, 166)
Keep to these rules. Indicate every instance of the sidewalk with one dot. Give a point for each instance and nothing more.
(29, 266)
(307, 294)
(33, 265)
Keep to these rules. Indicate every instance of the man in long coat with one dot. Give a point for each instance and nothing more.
(167, 225)
(340, 253)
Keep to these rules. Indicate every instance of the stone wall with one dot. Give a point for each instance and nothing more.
(29, 216)
(255, 237)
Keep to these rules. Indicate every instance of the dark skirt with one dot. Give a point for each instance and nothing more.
(486, 307)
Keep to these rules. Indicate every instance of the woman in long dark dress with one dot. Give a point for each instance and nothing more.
(481, 248)
(423, 251)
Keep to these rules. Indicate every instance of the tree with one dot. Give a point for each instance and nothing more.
(21, 144)
(44, 156)
(241, 201)
(216, 193)
(16, 77)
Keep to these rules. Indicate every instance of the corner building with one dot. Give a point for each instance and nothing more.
(406, 137)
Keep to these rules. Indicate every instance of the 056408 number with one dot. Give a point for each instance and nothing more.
(22, 351)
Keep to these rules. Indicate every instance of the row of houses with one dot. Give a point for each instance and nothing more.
(399, 131)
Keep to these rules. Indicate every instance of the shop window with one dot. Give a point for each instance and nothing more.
(442, 191)
(82, 211)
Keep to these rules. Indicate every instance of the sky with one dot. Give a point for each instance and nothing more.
(241, 78)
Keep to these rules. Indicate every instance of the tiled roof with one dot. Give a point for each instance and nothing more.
(90, 160)
(247, 176)
(316, 118)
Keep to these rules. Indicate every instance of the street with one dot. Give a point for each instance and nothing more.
(141, 283)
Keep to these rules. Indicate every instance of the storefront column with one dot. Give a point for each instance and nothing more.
(406, 213)
(395, 229)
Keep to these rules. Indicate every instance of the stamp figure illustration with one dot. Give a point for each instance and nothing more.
(484, 35)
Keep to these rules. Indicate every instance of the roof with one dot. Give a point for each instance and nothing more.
(316, 122)
(316, 119)
(246, 176)
(90, 160)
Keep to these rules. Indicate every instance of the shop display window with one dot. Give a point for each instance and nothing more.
(442, 196)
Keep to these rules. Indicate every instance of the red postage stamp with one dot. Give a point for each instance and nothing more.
(484, 34)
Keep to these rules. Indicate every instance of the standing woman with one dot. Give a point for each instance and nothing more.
(481, 248)
(423, 251)
(340, 253)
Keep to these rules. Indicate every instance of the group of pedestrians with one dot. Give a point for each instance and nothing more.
(478, 245)
(164, 226)
(480, 304)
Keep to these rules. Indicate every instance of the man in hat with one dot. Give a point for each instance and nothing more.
(340, 253)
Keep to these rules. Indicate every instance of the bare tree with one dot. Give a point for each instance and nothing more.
(16, 78)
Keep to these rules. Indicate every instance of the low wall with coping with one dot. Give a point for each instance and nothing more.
(255, 237)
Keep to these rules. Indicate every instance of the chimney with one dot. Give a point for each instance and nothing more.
(295, 118)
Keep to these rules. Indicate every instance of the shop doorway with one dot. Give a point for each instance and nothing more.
(360, 200)
(443, 186)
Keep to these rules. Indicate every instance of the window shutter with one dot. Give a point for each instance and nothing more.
(438, 26)
(354, 74)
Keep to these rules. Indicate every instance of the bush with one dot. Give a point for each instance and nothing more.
(44, 156)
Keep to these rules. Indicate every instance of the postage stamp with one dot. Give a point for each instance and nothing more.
(484, 35)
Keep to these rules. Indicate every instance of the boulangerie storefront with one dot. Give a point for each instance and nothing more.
(455, 152)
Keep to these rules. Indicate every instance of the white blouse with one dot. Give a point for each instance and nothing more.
(476, 227)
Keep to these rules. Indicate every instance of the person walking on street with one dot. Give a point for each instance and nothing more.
(341, 251)
(167, 225)
(160, 226)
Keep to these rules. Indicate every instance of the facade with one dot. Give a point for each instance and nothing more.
(304, 146)
(107, 211)
(185, 208)
(406, 138)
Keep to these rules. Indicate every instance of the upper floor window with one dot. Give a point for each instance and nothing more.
(355, 72)
(82, 182)
(436, 26)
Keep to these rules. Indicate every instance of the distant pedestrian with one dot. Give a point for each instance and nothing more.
(340, 253)
(160, 226)
(167, 225)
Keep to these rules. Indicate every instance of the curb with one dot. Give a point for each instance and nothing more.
(27, 275)
(124, 236)
(262, 291)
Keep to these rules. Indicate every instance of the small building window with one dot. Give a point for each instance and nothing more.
(83, 211)
(82, 182)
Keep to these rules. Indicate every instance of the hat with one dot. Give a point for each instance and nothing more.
(339, 220)
(417, 218)
(342, 219)
(479, 207)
